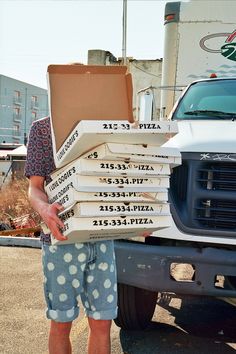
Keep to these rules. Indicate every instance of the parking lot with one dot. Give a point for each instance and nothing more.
(187, 325)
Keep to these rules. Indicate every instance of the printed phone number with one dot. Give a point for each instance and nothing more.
(122, 208)
(118, 194)
(134, 221)
(123, 180)
(126, 126)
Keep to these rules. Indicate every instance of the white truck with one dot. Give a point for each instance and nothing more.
(200, 40)
(197, 254)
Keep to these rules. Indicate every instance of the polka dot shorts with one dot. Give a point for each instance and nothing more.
(85, 271)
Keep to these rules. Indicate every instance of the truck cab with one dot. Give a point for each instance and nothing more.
(201, 241)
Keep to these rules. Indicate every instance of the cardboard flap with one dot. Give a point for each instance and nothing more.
(87, 92)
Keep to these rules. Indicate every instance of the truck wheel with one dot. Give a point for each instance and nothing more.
(135, 307)
(230, 282)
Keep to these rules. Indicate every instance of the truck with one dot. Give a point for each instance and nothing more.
(196, 256)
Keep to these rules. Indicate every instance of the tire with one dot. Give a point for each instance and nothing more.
(230, 282)
(135, 307)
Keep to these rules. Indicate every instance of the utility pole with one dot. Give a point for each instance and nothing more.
(124, 32)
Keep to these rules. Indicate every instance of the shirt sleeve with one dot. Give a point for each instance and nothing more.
(39, 160)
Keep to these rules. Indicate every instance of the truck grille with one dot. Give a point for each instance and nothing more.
(203, 194)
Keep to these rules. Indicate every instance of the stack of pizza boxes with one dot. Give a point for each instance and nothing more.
(112, 174)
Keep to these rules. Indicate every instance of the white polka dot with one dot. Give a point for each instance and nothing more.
(92, 266)
(110, 298)
(86, 304)
(103, 248)
(50, 296)
(107, 283)
(70, 313)
(79, 245)
(90, 278)
(75, 283)
(78, 298)
(93, 308)
(67, 257)
(63, 297)
(115, 287)
(61, 279)
(83, 266)
(95, 294)
(103, 266)
(45, 280)
(112, 268)
(52, 249)
(96, 315)
(72, 269)
(50, 266)
(53, 314)
(82, 257)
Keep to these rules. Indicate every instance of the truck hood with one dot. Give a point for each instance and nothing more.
(205, 136)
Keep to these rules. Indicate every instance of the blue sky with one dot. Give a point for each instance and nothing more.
(34, 34)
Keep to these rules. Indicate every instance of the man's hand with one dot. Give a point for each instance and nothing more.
(48, 212)
(49, 215)
(145, 234)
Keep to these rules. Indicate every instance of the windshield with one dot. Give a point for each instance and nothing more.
(214, 99)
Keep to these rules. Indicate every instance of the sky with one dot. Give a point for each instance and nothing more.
(34, 34)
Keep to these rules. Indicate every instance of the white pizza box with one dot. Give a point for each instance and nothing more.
(85, 229)
(113, 168)
(68, 196)
(135, 153)
(88, 134)
(107, 184)
(90, 209)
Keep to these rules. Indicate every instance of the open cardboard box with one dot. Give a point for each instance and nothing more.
(87, 92)
(85, 229)
(68, 196)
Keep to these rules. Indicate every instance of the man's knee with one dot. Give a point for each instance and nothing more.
(60, 328)
(99, 325)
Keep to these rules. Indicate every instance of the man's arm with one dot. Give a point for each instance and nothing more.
(48, 212)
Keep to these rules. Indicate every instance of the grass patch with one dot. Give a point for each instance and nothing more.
(14, 202)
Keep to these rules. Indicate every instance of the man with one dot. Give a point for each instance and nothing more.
(82, 270)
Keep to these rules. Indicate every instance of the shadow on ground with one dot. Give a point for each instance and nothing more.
(199, 326)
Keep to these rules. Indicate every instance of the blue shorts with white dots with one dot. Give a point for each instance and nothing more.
(85, 271)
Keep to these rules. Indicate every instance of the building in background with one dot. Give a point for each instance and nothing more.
(20, 105)
(146, 77)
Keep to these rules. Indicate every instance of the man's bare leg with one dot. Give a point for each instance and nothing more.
(99, 341)
(59, 338)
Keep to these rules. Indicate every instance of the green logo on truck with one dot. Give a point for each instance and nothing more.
(228, 50)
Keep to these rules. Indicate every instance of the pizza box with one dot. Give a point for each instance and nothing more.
(112, 168)
(68, 196)
(87, 92)
(88, 134)
(90, 209)
(135, 153)
(108, 184)
(85, 229)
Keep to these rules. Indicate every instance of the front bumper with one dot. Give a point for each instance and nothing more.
(148, 267)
